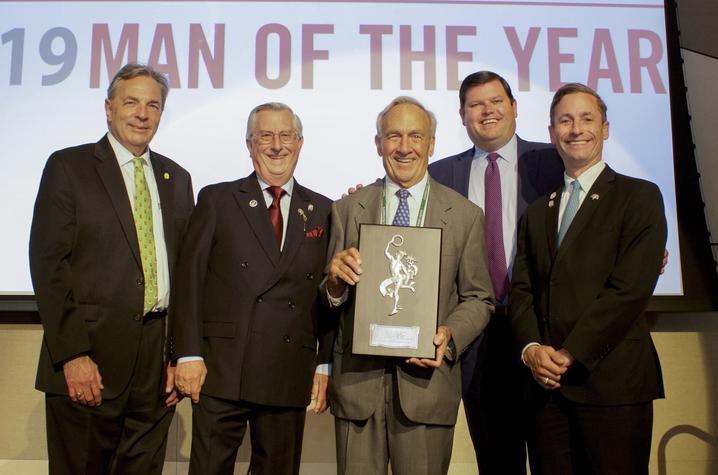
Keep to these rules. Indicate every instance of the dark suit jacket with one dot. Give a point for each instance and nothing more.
(589, 294)
(250, 311)
(465, 303)
(540, 171)
(85, 260)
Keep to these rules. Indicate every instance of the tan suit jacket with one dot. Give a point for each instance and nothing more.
(427, 396)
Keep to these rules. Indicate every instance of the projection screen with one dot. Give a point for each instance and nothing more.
(337, 64)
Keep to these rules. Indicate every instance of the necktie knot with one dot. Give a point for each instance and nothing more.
(492, 157)
(575, 186)
(276, 191)
(403, 193)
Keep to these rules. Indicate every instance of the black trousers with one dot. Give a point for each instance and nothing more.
(125, 435)
(219, 425)
(568, 438)
(492, 391)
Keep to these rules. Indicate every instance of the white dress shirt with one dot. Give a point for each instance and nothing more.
(586, 179)
(416, 193)
(509, 173)
(124, 159)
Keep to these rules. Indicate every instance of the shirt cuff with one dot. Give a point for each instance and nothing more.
(324, 369)
(523, 352)
(338, 301)
(187, 359)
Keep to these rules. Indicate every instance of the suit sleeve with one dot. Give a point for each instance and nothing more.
(626, 292)
(191, 272)
(51, 244)
(336, 244)
(524, 322)
(327, 318)
(471, 315)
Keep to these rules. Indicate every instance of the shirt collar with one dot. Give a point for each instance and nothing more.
(587, 178)
(288, 187)
(122, 154)
(416, 191)
(508, 152)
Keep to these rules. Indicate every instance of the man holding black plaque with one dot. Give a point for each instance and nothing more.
(398, 410)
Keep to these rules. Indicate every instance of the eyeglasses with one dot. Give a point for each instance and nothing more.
(266, 137)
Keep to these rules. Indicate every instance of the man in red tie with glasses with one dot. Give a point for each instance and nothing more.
(247, 329)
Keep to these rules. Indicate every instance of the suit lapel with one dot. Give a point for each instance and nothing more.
(526, 193)
(297, 227)
(437, 207)
(461, 170)
(552, 207)
(368, 208)
(250, 200)
(111, 176)
(163, 179)
(601, 187)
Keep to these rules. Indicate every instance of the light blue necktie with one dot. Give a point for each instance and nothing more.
(570, 211)
(401, 218)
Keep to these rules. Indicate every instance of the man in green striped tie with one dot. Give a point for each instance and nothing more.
(108, 222)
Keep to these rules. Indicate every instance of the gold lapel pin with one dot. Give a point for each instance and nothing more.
(302, 214)
(553, 195)
(310, 207)
(166, 175)
(253, 203)
(594, 196)
(550, 204)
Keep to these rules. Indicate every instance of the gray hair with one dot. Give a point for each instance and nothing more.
(273, 106)
(406, 100)
(133, 70)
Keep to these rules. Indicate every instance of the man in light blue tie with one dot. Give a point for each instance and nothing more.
(588, 258)
(391, 411)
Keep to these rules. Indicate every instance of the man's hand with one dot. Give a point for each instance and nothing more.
(84, 383)
(441, 341)
(344, 270)
(189, 378)
(319, 392)
(547, 365)
(172, 396)
(352, 189)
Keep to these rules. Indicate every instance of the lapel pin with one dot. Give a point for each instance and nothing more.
(253, 203)
(594, 196)
(553, 195)
(310, 207)
(302, 214)
(550, 204)
(166, 175)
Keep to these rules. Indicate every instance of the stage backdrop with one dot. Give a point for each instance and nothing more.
(337, 64)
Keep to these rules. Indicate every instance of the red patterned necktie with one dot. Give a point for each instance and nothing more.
(275, 212)
(494, 227)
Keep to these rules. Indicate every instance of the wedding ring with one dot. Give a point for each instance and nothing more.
(80, 395)
(545, 380)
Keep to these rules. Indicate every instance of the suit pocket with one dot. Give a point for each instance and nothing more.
(219, 329)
